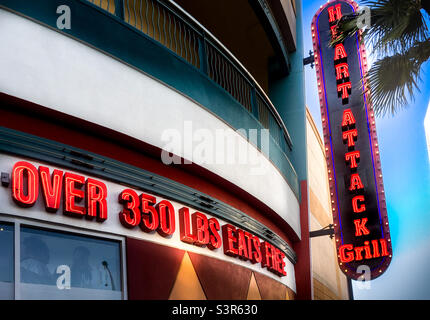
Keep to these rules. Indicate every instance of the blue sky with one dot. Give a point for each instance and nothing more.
(406, 174)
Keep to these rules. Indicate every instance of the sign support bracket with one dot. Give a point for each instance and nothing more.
(309, 60)
(326, 231)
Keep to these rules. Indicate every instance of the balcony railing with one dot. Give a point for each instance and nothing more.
(168, 24)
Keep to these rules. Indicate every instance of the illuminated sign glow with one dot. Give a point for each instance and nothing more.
(86, 197)
(355, 177)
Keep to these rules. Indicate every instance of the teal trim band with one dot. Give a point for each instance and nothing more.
(26, 145)
(289, 97)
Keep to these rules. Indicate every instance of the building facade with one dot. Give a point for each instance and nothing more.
(329, 283)
(155, 149)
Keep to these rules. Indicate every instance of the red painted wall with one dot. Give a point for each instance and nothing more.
(303, 267)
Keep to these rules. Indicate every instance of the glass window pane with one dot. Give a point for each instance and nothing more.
(6, 261)
(56, 265)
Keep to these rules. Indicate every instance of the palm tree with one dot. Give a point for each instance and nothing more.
(399, 38)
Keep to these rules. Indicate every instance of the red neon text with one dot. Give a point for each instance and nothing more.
(339, 52)
(348, 252)
(344, 89)
(347, 118)
(360, 227)
(25, 184)
(352, 157)
(73, 194)
(90, 192)
(201, 231)
(96, 199)
(239, 243)
(356, 183)
(141, 210)
(350, 137)
(342, 71)
(334, 13)
(51, 188)
(355, 205)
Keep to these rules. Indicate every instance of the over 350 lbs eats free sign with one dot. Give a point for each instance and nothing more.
(87, 198)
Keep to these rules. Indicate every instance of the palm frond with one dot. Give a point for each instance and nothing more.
(395, 26)
(346, 27)
(399, 37)
(392, 80)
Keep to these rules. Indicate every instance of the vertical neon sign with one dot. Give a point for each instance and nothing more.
(355, 177)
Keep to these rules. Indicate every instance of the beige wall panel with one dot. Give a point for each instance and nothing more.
(253, 292)
(328, 281)
(187, 285)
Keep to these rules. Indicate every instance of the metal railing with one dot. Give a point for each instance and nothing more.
(108, 5)
(168, 24)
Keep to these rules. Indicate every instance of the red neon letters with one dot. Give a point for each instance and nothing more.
(347, 118)
(342, 71)
(201, 232)
(334, 13)
(96, 199)
(356, 207)
(360, 227)
(25, 191)
(25, 184)
(239, 243)
(353, 158)
(185, 233)
(130, 216)
(73, 194)
(354, 170)
(348, 252)
(141, 211)
(166, 214)
(339, 52)
(214, 237)
(350, 137)
(51, 187)
(150, 219)
(356, 183)
(87, 197)
(273, 259)
(344, 89)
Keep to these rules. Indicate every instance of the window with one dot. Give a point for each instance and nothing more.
(6, 261)
(54, 265)
(59, 265)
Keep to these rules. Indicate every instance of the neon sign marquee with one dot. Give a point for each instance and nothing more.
(82, 197)
(355, 177)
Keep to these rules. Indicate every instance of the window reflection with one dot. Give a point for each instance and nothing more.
(34, 261)
(6, 261)
(57, 265)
